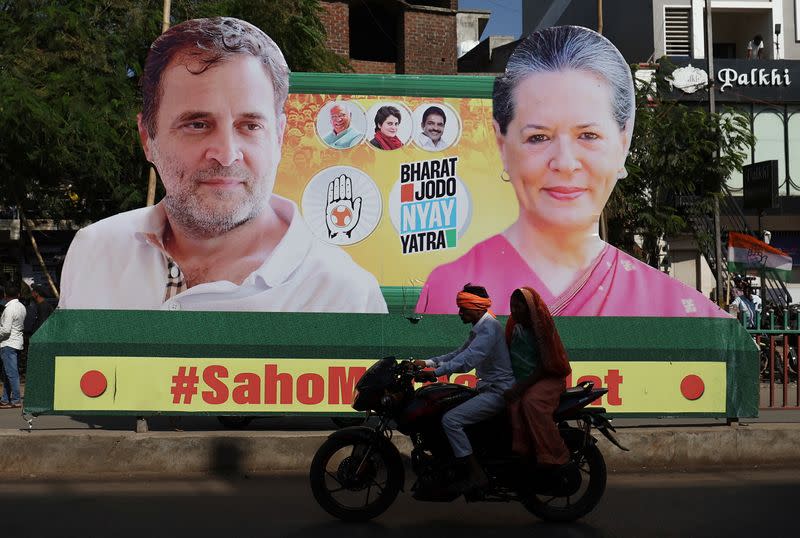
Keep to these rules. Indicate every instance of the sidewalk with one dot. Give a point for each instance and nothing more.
(112, 449)
(64, 446)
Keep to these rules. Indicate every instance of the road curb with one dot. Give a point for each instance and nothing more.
(59, 454)
(696, 448)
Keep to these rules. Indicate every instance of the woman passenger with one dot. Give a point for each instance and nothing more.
(540, 365)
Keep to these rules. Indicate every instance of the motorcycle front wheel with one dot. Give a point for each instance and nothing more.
(354, 480)
(592, 468)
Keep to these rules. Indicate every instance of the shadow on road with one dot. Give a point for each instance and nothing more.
(746, 503)
(440, 528)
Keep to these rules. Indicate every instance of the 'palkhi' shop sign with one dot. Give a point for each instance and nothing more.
(740, 80)
(754, 77)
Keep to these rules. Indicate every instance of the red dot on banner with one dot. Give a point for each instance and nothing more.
(692, 387)
(93, 383)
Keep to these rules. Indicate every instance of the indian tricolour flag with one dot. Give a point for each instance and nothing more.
(745, 252)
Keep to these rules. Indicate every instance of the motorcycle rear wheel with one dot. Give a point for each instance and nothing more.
(354, 480)
(592, 467)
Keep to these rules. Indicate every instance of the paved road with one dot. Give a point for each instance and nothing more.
(750, 503)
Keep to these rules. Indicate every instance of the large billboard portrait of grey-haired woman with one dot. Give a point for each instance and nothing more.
(563, 119)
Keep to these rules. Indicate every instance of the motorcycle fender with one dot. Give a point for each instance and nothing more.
(603, 424)
(363, 433)
(574, 437)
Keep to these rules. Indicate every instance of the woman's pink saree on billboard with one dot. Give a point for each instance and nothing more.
(615, 284)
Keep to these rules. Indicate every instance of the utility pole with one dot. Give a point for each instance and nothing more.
(710, 57)
(600, 17)
(151, 184)
(603, 216)
(712, 110)
(165, 20)
(141, 422)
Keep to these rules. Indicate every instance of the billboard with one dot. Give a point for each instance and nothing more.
(300, 211)
(394, 194)
(86, 362)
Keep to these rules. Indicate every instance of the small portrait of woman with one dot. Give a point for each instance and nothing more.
(390, 130)
(563, 118)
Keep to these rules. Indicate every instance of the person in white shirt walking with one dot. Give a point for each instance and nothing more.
(11, 343)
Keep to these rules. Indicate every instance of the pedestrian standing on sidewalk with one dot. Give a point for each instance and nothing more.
(43, 308)
(26, 298)
(11, 343)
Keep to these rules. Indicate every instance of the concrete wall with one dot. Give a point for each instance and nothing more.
(489, 56)
(469, 27)
(659, 44)
(791, 42)
(689, 266)
(62, 455)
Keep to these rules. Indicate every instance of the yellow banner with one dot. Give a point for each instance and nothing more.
(458, 198)
(325, 386)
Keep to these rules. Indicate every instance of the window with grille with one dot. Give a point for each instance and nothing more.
(677, 31)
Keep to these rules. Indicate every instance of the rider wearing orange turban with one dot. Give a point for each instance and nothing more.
(470, 301)
(486, 352)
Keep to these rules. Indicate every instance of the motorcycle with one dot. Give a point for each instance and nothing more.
(358, 472)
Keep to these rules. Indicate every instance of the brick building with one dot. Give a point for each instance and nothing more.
(394, 36)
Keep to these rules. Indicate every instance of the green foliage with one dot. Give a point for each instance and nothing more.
(66, 108)
(674, 153)
(69, 74)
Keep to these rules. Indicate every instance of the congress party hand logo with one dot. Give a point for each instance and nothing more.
(342, 205)
(342, 212)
